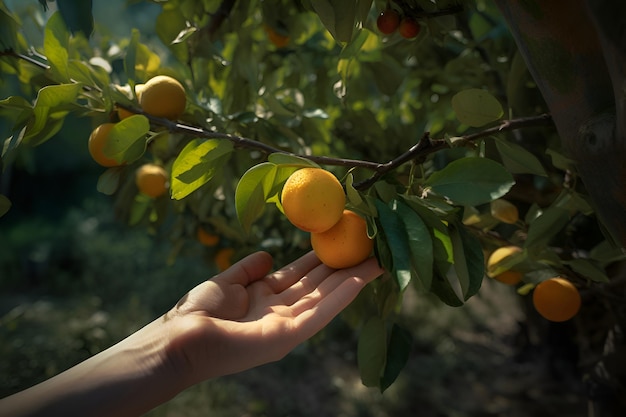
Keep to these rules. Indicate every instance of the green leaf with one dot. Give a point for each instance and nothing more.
(250, 196)
(51, 106)
(397, 239)
(471, 181)
(398, 351)
(9, 28)
(5, 205)
(420, 244)
(588, 269)
(77, 15)
(55, 44)
(372, 352)
(127, 139)
(197, 163)
(475, 107)
(443, 290)
(292, 160)
(338, 16)
(109, 180)
(518, 160)
(131, 56)
(473, 260)
(543, 228)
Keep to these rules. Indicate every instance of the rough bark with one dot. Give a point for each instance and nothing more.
(580, 72)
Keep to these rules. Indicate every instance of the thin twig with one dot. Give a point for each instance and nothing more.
(424, 147)
(12, 53)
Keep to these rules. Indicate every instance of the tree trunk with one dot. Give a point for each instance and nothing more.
(576, 52)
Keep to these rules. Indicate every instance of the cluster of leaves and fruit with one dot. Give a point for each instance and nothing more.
(397, 121)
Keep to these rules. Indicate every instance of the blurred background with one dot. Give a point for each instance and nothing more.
(74, 280)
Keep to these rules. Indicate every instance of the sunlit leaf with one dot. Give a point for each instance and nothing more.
(127, 139)
(475, 107)
(250, 197)
(197, 163)
(56, 41)
(471, 181)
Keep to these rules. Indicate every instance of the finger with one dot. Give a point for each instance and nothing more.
(318, 308)
(249, 269)
(287, 276)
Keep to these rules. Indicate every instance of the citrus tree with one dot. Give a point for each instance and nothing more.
(449, 134)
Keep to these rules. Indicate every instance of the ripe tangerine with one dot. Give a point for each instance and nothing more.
(152, 180)
(510, 277)
(97, 141)
(313, 199)
(556, 299)
(345, 244)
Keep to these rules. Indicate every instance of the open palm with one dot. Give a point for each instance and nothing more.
(245, 317)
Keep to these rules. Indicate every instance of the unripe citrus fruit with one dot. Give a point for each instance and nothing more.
(313, 199)
(97, 141)
(152, 180)
(163, 96)
(556, 299)
(510, 277)
(206, 238)
(223, 258)
(409, 28)
(504, 211)
(345, 244)
(388, 21)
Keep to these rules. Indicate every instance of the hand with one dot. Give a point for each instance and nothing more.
(241, 318)
(245, 317)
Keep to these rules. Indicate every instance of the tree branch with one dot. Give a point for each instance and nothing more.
(27, 58)
(424, 147)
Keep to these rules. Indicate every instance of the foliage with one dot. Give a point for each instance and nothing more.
(399, 121)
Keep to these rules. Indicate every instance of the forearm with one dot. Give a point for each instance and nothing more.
(127, 379)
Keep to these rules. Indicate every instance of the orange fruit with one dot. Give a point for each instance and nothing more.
(152, 180)
(280, 40)
(97, 140)
(345, 244)
(313, 199)
(504, 211)
(206, 238)
(224, 258)
(163, 96)
(556, 299)
(510, 277)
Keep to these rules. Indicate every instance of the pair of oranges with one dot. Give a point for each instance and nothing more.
(314, 201)
(161, 96)
(556, 299)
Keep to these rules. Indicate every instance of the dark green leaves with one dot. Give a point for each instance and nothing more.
(197, 163)
(382, 352)
(471, 181)
(262, 183)
(77, 15)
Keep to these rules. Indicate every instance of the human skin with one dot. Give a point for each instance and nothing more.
(239, 319)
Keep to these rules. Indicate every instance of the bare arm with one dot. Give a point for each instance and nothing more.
(240, 319)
